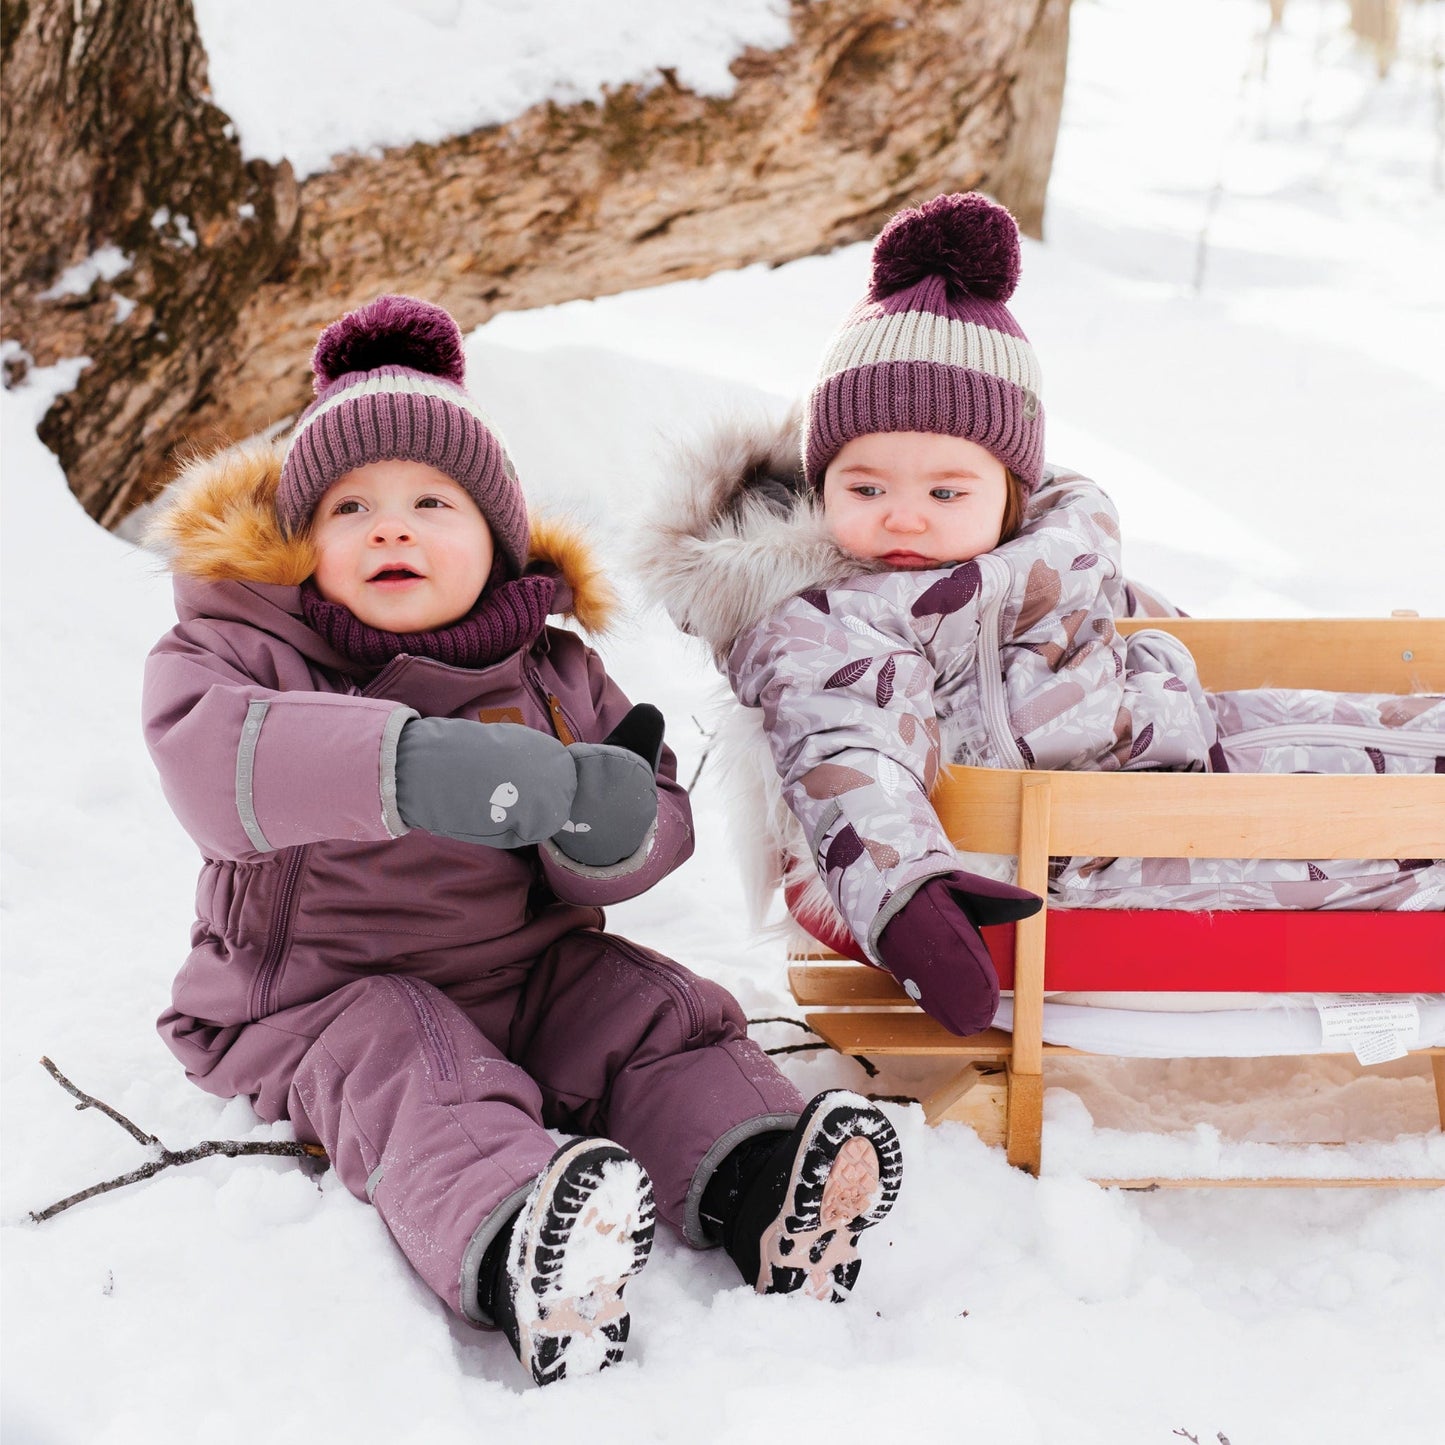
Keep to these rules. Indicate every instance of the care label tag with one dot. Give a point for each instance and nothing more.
(1379, 1027)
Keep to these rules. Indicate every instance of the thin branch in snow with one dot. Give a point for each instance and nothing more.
(707, 736)
(86, 1102)
(1188, 1436)
(783, 1019)
(165, 1158)
(866, 1065)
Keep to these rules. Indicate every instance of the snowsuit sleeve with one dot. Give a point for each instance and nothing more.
(250, 766)
(669, 843)
(848, 711)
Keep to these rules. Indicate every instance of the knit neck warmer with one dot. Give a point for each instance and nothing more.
(505, 619)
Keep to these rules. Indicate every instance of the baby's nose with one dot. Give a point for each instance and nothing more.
(905, 519)
(390, 527)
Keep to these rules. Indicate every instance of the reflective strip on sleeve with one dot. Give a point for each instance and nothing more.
(245, 772)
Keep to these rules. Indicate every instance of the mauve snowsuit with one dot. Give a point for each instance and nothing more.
(418, 1006)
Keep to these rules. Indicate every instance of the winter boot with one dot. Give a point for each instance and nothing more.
(584, 1231)
(796, 1223)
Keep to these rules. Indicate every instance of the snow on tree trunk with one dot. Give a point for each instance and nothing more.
(196, 282)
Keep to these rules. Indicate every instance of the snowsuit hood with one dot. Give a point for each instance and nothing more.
(739, 532)
(220, 524)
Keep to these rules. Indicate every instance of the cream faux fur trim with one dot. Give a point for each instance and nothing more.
(724, 547)
(767, 840)
(219, 524)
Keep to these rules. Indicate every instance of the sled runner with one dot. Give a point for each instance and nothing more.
(1038, 814)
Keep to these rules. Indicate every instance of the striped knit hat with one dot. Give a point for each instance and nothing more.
(389, 385)
(932, 347)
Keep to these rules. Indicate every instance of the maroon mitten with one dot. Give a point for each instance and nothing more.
(933, 948)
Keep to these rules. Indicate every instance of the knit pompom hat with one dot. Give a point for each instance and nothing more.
(932, 347)
(389, 386)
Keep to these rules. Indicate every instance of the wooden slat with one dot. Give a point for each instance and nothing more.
(910, 1033)
(1035, 831)
(1202, 815)
(845, 985)
(1376, 654)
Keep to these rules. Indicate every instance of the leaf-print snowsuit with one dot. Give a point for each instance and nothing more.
(868, 680)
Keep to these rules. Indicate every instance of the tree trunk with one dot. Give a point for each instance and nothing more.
(109, 141)
(875, 104)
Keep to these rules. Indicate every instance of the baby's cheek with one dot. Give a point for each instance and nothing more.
(846, 530)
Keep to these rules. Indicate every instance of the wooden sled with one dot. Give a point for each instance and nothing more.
(999, 1086)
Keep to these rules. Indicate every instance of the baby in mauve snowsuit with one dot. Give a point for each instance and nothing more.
(920, 589)
(413, 798)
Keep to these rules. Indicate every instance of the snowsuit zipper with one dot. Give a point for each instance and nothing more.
(1414, 745)
(992, 701)
(434, 1035)
(278, 940)
(671, 984)
(551, 704)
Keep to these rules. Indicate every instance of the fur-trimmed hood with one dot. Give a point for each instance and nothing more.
(219, 524)
(738, 532)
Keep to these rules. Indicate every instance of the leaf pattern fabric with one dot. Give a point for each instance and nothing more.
(1013, 660)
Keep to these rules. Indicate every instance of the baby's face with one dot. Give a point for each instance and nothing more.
(402, 546)
(915, 500)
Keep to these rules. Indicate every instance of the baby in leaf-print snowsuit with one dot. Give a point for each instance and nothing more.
(921, 589)
(413, 798)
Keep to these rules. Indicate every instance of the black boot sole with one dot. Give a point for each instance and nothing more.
(847, 1168)
(585, 1230)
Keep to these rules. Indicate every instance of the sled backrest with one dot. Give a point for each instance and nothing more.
(1401, 654)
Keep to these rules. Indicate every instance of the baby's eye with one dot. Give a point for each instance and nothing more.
(866, 489)
(431, 502)
(945, 494)
(347, 508)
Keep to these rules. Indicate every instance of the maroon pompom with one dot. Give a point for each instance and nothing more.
(391, 331)
(968, 240)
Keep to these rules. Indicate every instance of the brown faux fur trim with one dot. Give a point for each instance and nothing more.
(219, 524)
(561, 544)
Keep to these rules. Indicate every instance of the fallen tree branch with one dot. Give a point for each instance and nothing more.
(867, 1065)
(165, 1158)
(708, 737)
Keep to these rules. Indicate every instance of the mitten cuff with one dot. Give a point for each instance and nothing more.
(898, 900)
(621, 869)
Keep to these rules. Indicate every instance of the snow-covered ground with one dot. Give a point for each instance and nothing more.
(1276, 439)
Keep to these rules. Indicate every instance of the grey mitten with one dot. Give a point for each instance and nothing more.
(497, 784)
(615, 805)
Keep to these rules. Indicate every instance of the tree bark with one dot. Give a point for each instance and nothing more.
(875, 104)
(110, 141)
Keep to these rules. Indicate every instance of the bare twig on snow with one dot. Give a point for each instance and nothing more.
(165, 1158)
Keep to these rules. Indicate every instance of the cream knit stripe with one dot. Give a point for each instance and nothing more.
(926, 336)
(393, 385)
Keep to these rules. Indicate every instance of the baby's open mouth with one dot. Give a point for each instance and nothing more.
(394, 574)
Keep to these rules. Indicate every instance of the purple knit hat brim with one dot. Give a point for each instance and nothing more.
(926, 396)
(398, 425)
